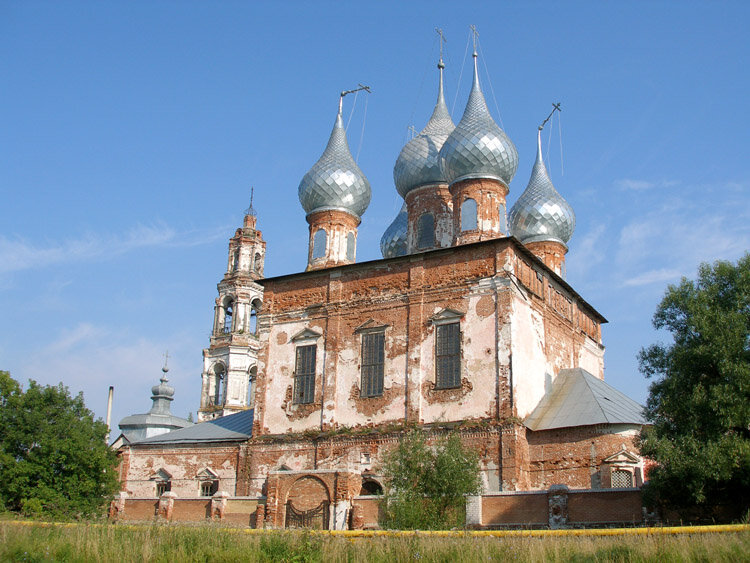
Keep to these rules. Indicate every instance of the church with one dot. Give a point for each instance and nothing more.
(466, 325)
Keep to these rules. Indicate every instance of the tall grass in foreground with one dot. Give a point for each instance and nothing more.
(171, 543)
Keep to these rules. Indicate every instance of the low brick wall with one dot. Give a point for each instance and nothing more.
(240, 511)
(523, 509)
(515, 509)
(621, 506)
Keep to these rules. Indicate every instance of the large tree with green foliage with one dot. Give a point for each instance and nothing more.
(53, 456)
(426, 483)
(699, 403)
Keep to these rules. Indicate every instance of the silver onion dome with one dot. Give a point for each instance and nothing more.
(335, 181)
(418, 163)
(477, 147)
(541, 213)
(393, 241)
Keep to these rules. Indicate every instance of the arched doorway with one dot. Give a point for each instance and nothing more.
(308, 504)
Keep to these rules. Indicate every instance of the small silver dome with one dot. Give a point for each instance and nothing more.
(477, 147)
(393, 242)
(335, 181)
(418, 163)
(541, 213)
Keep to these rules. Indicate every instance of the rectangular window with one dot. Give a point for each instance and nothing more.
(304, 374)
(163, 487)
(448, 356)
(373, 358)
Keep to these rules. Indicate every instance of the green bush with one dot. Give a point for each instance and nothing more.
(427, 483)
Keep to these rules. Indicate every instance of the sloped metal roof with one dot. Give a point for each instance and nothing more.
(577, 398)
(231, 428)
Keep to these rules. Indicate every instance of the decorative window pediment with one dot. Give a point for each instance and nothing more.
(306, 334)
(207, 474)
(623, 456)
(446, 316)
(161, 475)
(370, 324)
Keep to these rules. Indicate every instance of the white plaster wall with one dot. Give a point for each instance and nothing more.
(278, 375)
(530, 369)
(477, 366)
(591, 358)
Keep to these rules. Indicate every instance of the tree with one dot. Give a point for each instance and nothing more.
(53, 454)
(699, 403)
(426, 484)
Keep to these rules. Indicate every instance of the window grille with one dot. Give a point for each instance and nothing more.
(304, 374)
(373, 358)
(426, 231)
(163, 487)
(622, 479)
(448, 356)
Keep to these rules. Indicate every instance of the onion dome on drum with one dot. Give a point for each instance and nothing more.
(393, 242)
(335, 182)
(541, 213)
(477, 147)
(418, 163)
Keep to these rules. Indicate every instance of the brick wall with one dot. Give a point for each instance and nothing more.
(518, 508)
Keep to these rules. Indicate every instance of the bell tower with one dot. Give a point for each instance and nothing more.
(230, 361)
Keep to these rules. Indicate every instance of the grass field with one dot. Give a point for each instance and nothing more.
(171, 543)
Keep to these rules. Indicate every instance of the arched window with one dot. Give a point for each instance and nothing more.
(425, 231)
(258, 263)
(503, 219)
(254, 310)
(219, 373)
(236, 266)
(371, 487)
(350, 246)
(469, 215)
(319, 244)
(228, 314)
(251, 376)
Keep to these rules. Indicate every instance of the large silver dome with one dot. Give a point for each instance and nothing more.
(477, 147)
(541, 213)
(418, 163)
(393, 242)
(335, 181)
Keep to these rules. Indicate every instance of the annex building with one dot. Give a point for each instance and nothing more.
(466, 325)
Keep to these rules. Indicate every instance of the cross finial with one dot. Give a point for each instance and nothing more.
(442, 41)
(475, 36)
(165, 369)
(413, 131)
(252, 192)
(555, 107)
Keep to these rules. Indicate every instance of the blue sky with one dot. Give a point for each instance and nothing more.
(131, 132)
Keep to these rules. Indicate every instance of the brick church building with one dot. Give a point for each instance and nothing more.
(466, 325)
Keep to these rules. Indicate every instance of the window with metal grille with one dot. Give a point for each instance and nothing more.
(448, 356)
(304, 374)
(622, 479)
(373, 358)
(426, 231)
(163, 487)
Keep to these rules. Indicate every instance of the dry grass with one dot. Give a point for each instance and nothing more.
(171, 543)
